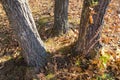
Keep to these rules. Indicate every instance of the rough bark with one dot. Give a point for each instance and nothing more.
(60, 17)
(22, 22)
(91, 26)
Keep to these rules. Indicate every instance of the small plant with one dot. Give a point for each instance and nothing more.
(104, 58)
(105, 76)
(50, 76)
(94, 2)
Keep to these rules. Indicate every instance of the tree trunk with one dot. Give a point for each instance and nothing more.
(60, 17)
(91, 26)
(22, 22)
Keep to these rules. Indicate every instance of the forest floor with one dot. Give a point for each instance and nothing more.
(105, 66)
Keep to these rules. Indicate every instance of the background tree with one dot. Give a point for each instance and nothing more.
(91, 26)
(22, 22)
(60, 17)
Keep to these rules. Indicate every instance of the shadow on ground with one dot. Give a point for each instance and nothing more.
(15, 69)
